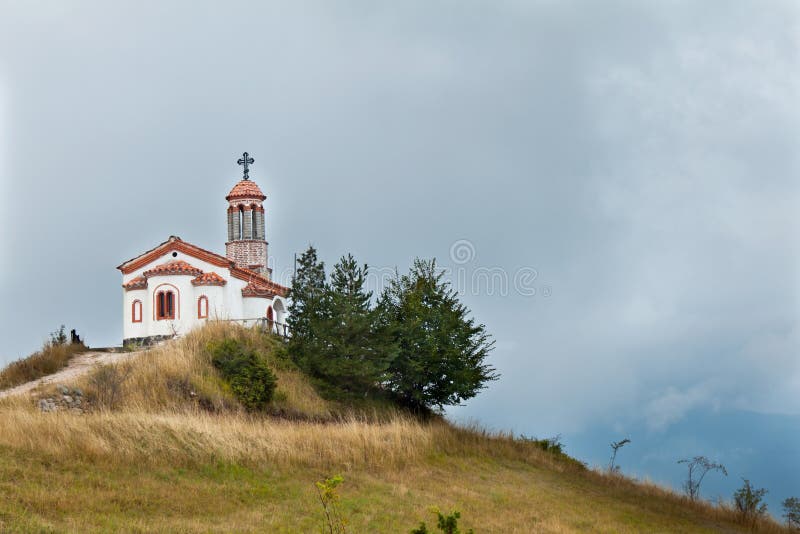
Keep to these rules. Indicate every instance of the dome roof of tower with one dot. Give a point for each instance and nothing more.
(246, 189)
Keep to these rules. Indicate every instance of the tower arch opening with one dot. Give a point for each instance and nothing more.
(240, 214)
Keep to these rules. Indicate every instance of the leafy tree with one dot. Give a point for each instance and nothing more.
(699, 466)
(442, 351)
(357, 345)
(748, 502)
(791, 511)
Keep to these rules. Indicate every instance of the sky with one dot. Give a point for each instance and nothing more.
(612, 186)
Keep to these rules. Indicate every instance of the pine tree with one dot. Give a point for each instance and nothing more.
(310, 310)
(358, 348)
(337, 335)
(442, 351)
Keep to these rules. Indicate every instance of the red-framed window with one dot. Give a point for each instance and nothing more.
(165, 305)
(202, 307)
(136, 311)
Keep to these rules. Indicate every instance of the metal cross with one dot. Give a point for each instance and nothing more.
(246, 160)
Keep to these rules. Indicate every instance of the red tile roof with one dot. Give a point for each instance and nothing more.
(209, 279)
(176, 244)
(256, 289)
(173, 267)
(173, 244)
(245, 189)
(140, 282)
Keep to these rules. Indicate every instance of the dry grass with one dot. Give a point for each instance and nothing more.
(179, 377)
(50, 359)
(262, 472)
(189, 439)
(162, 462)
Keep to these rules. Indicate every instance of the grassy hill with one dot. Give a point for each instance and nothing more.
(167, 448)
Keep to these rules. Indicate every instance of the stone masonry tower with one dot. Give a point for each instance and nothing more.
(247, 244)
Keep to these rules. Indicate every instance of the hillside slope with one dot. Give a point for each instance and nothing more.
(175, 452)
(76, 368)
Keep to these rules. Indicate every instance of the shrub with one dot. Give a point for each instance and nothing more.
(59, 337)
(250, 379)
(747, 500)
(105, 385)
(552, 445)
(446, 523)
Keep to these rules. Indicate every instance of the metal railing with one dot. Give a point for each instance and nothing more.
(265, 325)
(281, 329)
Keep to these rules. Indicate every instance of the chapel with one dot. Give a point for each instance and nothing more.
(178, 286)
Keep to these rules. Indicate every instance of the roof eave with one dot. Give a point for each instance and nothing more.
(176, 243)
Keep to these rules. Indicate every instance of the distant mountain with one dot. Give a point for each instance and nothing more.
(764, 448)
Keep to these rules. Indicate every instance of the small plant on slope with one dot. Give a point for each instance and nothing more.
(791, 512)
(615, 446)
(446, 523)
(59, 337)
(699, 466)
(748, 502)
(334, 522)
(552, 445)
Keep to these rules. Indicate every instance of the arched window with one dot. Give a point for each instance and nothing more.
(136, 311)
(254, 221)
(202, 307)
(165, 305)
(241, 222)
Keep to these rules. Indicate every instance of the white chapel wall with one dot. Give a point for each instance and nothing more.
(224, 302)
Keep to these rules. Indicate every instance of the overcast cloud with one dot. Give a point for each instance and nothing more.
(641, 157)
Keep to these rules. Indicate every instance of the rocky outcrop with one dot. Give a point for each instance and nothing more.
(65, 399)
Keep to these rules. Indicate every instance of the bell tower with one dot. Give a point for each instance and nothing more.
(247, 242)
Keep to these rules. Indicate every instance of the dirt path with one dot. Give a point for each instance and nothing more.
(79, 365)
